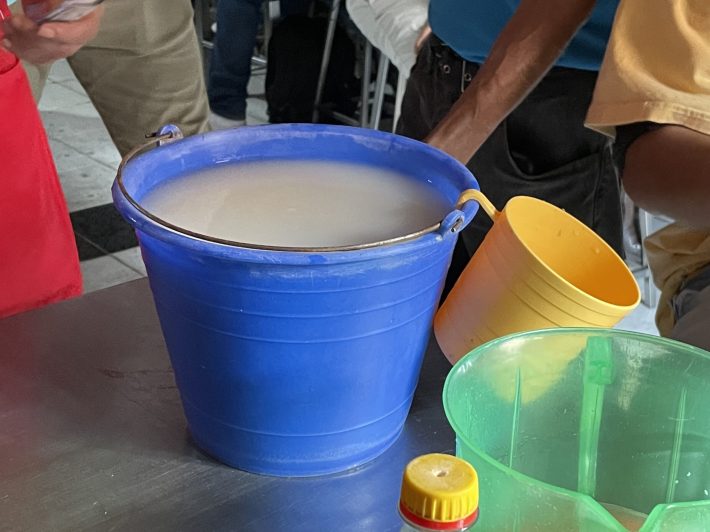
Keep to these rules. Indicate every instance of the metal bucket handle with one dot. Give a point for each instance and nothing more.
(452, 222)
(165, 135)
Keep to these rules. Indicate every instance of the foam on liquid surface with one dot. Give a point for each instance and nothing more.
(298, 203)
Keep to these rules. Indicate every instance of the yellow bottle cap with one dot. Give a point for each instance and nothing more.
(439, 492)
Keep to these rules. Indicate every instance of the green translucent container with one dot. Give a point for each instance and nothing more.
(557, 422)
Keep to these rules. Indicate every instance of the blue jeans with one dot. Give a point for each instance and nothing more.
(238, 22)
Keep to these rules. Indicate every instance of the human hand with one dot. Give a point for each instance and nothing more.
(50, 41)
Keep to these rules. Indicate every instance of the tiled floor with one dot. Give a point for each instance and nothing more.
(640, 320)
(87, 162)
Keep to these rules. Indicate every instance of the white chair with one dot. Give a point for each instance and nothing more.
(391, 26)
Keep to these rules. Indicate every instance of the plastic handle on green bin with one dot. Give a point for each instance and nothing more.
(515, 425)
(598, 374)
(677, 444)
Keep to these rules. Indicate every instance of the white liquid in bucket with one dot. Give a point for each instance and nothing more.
(298, 203)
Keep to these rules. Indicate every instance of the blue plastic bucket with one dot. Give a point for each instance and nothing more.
(294, 363)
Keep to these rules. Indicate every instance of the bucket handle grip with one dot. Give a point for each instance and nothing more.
(452, 222)
(164, 135)
(477, 196)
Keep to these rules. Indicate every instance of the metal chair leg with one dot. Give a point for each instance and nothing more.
(381, 82)
(649, 292)
(202, 22)
(399, 97)
(365, 87)
(327, 49)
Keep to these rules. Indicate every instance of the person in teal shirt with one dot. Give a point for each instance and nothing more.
(470, 27)
(538, 146)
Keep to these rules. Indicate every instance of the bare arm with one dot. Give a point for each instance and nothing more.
(526, 49)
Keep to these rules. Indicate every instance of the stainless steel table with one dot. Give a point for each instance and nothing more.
(92, 436)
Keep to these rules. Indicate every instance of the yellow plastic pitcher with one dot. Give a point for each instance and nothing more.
(538, 267)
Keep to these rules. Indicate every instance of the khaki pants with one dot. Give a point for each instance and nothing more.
(679, 258)
(143, 70)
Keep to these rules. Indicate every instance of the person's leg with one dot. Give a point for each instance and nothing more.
(294, 7)
(667, 171)
(418, 104)
(144, 70)
(543, 150)
(230, 64)
(691, 310)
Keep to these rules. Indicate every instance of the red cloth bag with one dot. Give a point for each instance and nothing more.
(38, 256)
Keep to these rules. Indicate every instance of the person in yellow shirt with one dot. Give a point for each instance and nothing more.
(653, 93)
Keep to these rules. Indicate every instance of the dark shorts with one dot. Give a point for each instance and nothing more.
(625, 137)
(542, 149)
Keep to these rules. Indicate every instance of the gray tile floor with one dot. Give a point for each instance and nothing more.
(87, 160)
(640, 320)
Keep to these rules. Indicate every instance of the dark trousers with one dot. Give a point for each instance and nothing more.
(542, 149)
(238, 23)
